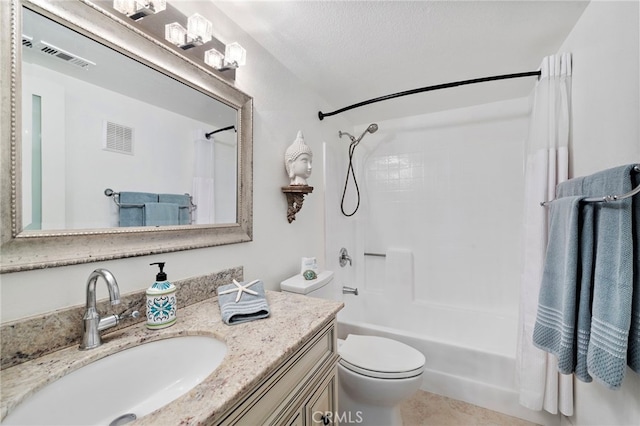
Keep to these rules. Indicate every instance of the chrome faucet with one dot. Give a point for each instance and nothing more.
(91, 321)
(344, 257)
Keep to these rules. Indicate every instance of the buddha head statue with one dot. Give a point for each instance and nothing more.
(297, 161)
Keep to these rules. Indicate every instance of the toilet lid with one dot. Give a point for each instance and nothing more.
(380, 357)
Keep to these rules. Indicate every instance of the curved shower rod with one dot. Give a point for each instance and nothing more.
(322, 115)
(208, 135)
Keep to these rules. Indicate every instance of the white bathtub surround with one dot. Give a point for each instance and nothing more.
(399, 272)
(546, 165)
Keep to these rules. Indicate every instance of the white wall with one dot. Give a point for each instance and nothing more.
(282, 106)
(606, 133)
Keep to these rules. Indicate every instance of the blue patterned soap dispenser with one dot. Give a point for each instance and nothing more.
(161, 301)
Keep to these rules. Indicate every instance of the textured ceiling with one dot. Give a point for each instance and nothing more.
(351, 51)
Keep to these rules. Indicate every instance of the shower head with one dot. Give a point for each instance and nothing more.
(371, 129)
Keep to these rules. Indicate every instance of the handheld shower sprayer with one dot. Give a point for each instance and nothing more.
(373, 127)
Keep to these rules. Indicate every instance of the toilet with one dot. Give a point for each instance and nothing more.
(375, 374)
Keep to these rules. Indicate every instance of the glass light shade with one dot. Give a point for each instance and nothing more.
(235, 54)
(199, 28)
(126, 7)
(175, 33)
(214, 59)
(153, 5)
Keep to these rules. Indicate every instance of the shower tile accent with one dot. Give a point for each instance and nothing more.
(397, 175)
(30, 338)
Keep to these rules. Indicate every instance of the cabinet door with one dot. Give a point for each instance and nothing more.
(322, 406)
(297, 419)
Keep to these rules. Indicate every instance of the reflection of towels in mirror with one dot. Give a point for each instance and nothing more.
(132, 207)
(183, 202)
(160, 214)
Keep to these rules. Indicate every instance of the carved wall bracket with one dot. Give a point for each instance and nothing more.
(295, 197)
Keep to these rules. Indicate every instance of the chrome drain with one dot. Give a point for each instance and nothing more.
(123, 419)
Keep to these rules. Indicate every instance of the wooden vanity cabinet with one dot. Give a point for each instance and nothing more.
(303, 391)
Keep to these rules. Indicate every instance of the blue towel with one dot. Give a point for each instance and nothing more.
(248, 308)
(132, 207)
(555, 325)
(160, 214)
(606, 306)
(573, 187)
(184, 203)
(612, 278)
(633, 354)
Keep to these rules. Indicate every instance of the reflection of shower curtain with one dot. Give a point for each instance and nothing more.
(541, 386)
(203, 181)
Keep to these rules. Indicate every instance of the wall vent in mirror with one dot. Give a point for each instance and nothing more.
(51, 50)
(27, 41)
(118, 138)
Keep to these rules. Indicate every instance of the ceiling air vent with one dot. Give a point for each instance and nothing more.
(118, 138)
(27, 41)
(50, 49)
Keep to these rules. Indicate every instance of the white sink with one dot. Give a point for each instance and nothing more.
(133, 382)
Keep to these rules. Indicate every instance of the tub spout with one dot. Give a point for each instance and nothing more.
(349, 290)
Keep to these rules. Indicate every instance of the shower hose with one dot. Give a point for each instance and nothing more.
(350, 171)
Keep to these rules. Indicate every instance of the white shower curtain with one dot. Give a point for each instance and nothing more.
(203, 190)
(541, 386)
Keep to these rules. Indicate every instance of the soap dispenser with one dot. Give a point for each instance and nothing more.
(161, 301)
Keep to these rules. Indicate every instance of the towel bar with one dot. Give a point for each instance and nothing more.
(606, 198)
(116, 199)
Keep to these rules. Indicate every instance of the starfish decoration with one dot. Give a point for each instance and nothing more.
(241, 288)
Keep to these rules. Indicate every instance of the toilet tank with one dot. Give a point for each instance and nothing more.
(321, 287)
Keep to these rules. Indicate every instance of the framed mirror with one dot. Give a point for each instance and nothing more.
(95, 112)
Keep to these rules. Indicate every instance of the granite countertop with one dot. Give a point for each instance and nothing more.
(254, 350)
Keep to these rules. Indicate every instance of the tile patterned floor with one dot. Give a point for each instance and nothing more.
(425, 408)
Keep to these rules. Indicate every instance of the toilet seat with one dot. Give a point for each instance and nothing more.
(379, 357)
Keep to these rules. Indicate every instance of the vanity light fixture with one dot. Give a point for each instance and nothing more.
(234, 56)
(198, 32)
(175, 33)
(214, 59)
(138, 9)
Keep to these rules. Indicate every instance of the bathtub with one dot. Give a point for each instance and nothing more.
(470, 356)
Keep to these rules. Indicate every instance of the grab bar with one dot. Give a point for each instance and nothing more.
(376, 254)
(606, 198)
